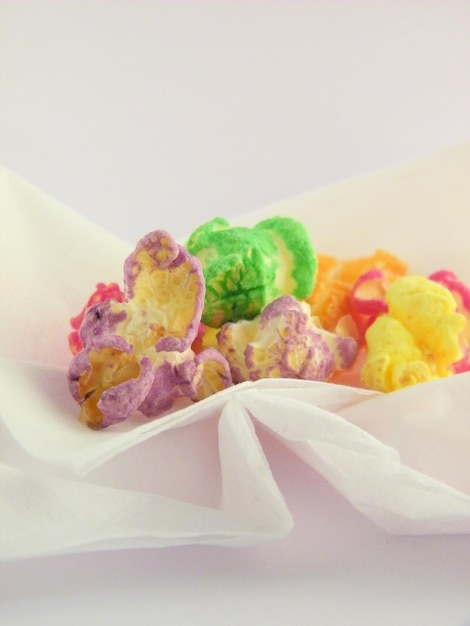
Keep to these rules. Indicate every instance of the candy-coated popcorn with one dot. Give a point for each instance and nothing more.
(102, 292)
(461, 294)
(367, 301)
(330, 299)
(283, 342)
(417, 340)
(368, 293)
(213, 373)
(241, 304)
(247, 268)
(137, 353)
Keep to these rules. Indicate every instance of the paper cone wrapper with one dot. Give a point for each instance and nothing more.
(200, 473)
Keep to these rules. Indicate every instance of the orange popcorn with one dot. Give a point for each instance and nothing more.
(330, 299)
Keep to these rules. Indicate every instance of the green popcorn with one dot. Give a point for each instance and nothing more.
(247, 268)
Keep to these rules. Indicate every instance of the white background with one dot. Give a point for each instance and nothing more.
(145, 115)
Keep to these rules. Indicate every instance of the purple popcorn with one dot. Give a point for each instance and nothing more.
(284, 342)
(137, 353)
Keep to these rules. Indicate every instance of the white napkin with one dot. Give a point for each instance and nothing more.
(199, 474)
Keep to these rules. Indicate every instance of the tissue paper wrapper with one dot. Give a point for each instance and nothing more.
(199, 474)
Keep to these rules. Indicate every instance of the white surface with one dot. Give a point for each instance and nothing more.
(419, 485)
(145, 114)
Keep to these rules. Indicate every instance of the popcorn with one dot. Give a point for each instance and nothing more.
(170, 335)
(368, 293)
(367, 301)
(417, 340)
(137, 353)
(102, 292)
(247, 268)
(461, 295)
(283, 342)
(330, 299)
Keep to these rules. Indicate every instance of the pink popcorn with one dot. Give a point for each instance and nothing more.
(368, 293)
(461, 294)
(367, 300)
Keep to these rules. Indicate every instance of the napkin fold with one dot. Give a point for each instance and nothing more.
(199, 474)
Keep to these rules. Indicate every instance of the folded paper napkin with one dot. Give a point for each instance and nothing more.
(200, 474)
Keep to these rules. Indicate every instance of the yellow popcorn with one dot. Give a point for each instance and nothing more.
(417, 340)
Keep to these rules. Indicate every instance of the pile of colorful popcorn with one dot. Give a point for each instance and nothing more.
(238, 304)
